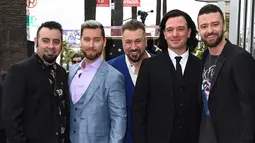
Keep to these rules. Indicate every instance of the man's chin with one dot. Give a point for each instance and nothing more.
(49, 59)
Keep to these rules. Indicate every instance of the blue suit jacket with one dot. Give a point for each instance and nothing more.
(103, 116)
(120, 64)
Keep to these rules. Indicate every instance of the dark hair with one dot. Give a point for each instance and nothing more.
(210, 8)
(92, 24)
(132, 25)
(76, 55)
(191, 42)
(51, 25)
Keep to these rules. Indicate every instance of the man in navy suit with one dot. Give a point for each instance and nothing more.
(134, 44)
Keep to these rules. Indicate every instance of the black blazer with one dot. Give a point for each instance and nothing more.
(232, 96)
(1, 86)
(153, 101)
(29, 107)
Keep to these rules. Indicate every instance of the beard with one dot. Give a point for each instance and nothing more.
(135, 58)
(92, 56)
(213, 44)
(49, 59)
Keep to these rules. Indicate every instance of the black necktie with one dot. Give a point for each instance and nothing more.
(178, 65)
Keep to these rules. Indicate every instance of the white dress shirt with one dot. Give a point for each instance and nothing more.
(183, 61)
(131, 68)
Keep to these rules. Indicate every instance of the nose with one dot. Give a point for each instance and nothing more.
(91, 43)
(209, 30)
(51, 45)
(175, 32)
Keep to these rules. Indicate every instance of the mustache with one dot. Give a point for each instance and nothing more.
(212, 34)
(134, 50)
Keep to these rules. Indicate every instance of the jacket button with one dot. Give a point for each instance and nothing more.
(74, 120)
(74, 131)
(173, 106)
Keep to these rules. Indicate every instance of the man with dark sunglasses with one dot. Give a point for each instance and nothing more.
(77, 57)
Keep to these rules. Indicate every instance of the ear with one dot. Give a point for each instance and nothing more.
(146, 42)
(36, 42)
(164, 32)
(105, 40)
(189, 32)
(225, 27)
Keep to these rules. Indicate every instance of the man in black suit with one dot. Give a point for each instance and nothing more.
(165, 105)
(228, 81)
(35, 100)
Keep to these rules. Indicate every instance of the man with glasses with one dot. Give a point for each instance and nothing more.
(77, 57)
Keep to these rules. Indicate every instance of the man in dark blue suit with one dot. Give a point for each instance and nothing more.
(134, 44)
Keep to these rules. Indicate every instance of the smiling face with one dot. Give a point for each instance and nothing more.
(49, 44)
(134, 44)
(177, 33)
(211, 29)
(92, 43)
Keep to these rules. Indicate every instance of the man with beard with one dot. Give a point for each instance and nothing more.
(98, 99)
(35, 96)
(134, 43)
(165, 106)
(227, 84)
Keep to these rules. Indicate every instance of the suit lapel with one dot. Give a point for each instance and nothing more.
(72, 73)
(169, 73)
(96, 81)
(122, 67)
(220, 62)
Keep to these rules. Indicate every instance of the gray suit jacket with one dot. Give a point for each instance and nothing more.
(103, 115)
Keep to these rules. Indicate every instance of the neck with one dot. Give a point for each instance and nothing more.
(179, 51)
(45, 62)
(217, 49)
(88, 62)
(138, 64)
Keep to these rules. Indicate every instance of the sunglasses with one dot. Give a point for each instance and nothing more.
(75, 62)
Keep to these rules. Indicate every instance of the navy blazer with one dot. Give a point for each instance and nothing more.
(120, 64)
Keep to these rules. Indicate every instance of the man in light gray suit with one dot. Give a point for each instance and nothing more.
(97, 91)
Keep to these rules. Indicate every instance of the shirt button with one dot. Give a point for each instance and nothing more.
(74, 131)
(76, 109)
(74, 120)
(56, 133)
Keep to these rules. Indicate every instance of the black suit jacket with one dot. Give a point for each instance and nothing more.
(232, 96)
(1, 86)
(153, 101)
(29, 107)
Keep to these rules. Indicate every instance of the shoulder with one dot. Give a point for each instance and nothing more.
(61, 69)
(23, 65)
(113, 73)
(238, 52)
(116, 60)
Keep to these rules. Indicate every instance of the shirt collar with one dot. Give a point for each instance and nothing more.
(127, 61)
(172, 54)
(95, 64)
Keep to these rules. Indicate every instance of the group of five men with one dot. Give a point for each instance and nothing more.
(138, 97)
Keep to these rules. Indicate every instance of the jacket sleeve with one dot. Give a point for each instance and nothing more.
(139, 105)
(117, 110)
(14, 96)
(244, 78)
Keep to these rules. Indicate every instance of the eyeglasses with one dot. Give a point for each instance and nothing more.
(75, 62)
